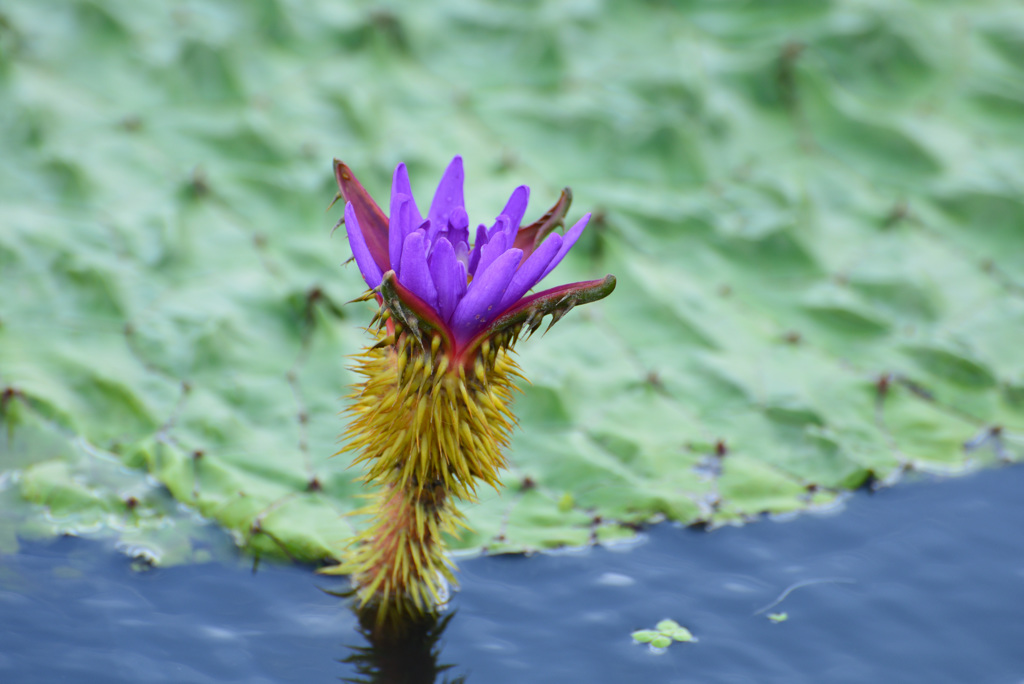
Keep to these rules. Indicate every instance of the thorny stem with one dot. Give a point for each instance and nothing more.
(428, 431)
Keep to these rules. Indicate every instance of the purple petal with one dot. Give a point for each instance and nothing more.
(495, 247)
(431, 233)
(415, 274)
(528, 273)
(400, 186)
(571, 236)
(399, 227)
(516, 207)
(462, 254)
(480, 305)
(502, 224)
(474, 255)
(364, 259)
(449, 193)
(449, 277)
(458, 226)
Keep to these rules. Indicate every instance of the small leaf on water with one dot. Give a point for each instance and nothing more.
(682, 634)
(661, 641)
(778, 617)
(667, 625)
(644, 636)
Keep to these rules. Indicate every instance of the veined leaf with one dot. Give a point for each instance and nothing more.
(812, 209)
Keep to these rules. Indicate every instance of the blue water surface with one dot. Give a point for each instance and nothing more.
(922, 582)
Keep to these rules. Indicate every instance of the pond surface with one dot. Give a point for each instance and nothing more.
(923, 582)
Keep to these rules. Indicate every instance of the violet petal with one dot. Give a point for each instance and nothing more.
(528, 273)
(398, 229)
(364, 259)
(502, 224)
(571, 236)
(480, 305)
(400, 186)
(515, 209)
(458, 226)
(474, 255)
(449, 193)
(462, 254)
(431, 233)
(449, 279)
(415, 274)
(495, 247)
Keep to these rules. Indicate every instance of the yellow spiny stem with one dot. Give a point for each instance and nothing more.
(428, 432)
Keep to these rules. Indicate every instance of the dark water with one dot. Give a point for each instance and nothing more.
(926, 585)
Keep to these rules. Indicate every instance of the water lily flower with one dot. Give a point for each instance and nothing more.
(458, 287)
(431, 417)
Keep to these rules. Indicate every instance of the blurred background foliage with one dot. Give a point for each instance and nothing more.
(814, 210)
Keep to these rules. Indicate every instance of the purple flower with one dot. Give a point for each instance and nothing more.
(459, 286)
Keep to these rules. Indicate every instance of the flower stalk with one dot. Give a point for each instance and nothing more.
(430, 417)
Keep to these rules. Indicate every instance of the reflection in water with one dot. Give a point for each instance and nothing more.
(399, 653)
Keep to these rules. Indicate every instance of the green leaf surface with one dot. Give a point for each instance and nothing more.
(814, 212)
(645, 636)
(667, 625)
(661, 641)
(682, 634)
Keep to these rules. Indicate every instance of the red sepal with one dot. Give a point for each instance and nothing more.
(372, 221)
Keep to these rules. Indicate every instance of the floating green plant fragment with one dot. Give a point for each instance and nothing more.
(778, 617)
(813, 211)
(645, 636)
(664, 633)
(666, 625)
(661, 641)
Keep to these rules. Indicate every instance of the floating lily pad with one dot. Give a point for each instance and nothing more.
(812, 209)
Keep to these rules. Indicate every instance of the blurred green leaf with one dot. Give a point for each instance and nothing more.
(661, 641)
(813, 210)
(644, 636)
